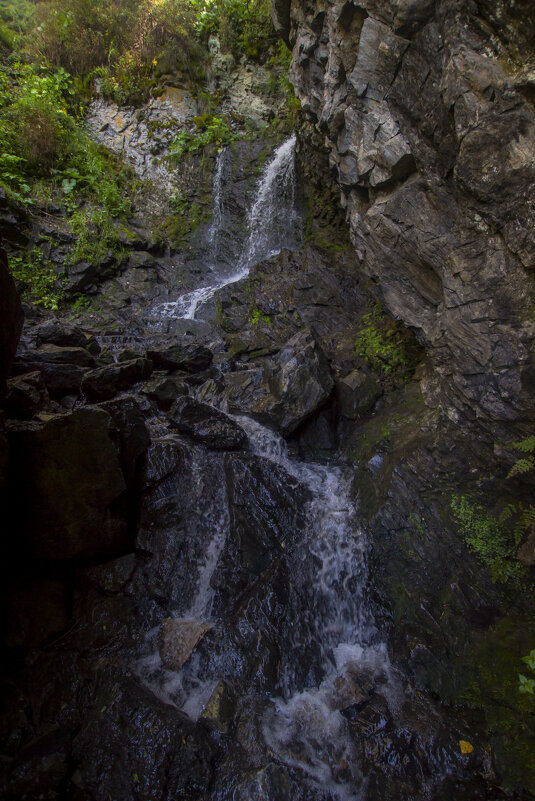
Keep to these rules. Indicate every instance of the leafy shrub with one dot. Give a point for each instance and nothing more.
(210, 130)
(36, 277)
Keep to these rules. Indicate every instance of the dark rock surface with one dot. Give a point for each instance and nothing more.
(12, 319)
(65, 477)
(434, 144)
(105, 382)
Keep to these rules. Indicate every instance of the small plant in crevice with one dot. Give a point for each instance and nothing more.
(489, 538)
(527, 684)
(383, 345)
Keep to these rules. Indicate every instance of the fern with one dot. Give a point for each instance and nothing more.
(522, 466)
(526, 445)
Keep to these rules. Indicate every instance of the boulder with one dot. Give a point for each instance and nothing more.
(220, 708)
(55, 354)
(26, 395)
(66, 481)
(57, 332)
(356, 394)
(105, 382)
(191, 358)
(177, 640)
(287, 391)
(208, 425)
(165, 391)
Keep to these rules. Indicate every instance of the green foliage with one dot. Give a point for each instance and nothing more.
(36, 278)
(95, 235)
(258, 317)
(525, 684)
(210, 130)
(487, 537)
(382, 344)
(243, 27)
(526, 463)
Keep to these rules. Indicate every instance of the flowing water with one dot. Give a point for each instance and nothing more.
(329, 627)
(271, 225)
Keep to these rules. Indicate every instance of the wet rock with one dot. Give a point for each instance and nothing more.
(105, 382)
(189, 357)
(26, 395)
(208, 425)
(131, 744)
(269, 784)
(356, 394)
(165, 391)
(287, 391)
(177, 639)
(62, 368)
(65, 478)
(12, 319)
(221, 707)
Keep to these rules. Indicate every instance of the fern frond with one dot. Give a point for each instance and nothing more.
(522, 466)
(526, 445)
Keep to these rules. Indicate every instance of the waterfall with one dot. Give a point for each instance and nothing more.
(272, 219)
(217, 206)
(272, 225)
(329, 629)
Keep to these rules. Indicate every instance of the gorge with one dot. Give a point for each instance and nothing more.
(266, 464)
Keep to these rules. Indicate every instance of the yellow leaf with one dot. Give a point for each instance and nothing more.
(466, 747)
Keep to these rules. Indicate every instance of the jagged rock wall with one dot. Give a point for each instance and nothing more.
(426, 108)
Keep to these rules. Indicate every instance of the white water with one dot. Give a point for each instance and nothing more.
(305, 727)
(271, 225)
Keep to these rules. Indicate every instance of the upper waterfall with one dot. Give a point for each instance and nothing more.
(272, 225)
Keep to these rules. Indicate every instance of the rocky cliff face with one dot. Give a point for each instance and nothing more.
(427, 110)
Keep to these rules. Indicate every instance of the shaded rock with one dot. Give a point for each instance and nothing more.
(105, 382)
(36, 610)
(65, 478)
(12, 319)
(113, 576)
(220, 708)
(165, 391)
(526, 552)
(58, 332)
(40, 768)
(208, 425)
(129, 417)
(356, 394)
(26, 395)
(59, 354)
(189, 357)
(177, 640)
